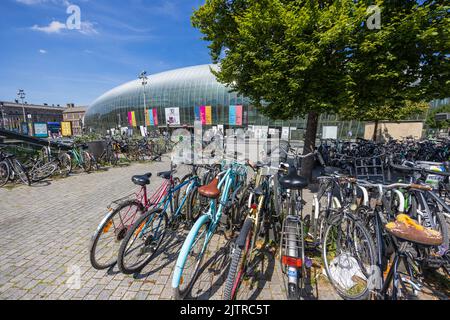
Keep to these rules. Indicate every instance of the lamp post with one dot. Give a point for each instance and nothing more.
(21, 95)
(143, 78)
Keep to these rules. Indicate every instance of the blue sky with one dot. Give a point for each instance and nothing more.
(117, 40)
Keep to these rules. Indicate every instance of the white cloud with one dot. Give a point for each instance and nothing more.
(35, 2)
(53, 27)
(43, 51)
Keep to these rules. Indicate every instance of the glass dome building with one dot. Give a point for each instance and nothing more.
(186, 89)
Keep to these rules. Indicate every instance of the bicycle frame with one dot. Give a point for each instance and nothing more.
(213, 216)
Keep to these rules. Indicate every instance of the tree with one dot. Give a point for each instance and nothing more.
(307, 57)
(431, 119)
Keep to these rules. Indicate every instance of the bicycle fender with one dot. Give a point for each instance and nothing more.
(181, 261)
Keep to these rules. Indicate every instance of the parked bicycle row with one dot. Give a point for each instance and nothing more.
(50, 162)
(363, 230)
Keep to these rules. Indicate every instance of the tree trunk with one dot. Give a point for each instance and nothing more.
(310, 144)
(375, 131)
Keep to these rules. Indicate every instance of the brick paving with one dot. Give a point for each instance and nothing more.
(45, 232)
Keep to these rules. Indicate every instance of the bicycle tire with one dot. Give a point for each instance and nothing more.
(96, 264)
(195, 236)
(4, 173)
(86, 162)
(136, 229)
(21, 172)
(237, 266)
(43, 172)
(365, 294)
(65, 164)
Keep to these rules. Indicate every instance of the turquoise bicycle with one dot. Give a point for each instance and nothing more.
(230, 181)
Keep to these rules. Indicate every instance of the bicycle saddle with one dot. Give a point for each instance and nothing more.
(142, 180)
(293, 181)
(408, 229)
(210, 191)
(166, 175)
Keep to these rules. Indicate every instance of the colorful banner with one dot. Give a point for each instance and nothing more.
(66, 129)
(173, 116)
(198, 116)
(155, 116)
(232, 116)
(132, 119)
(203, 114)
(239, 111)
(208, 115)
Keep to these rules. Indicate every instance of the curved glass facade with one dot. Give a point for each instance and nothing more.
(186, 89)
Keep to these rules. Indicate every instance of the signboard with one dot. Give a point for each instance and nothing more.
(285, 133)
(173, 116)
(24, 127)
(66, 129)
(40, 130)
(143, 131)
(329, 132)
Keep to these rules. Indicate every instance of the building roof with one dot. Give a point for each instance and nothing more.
(76, 109)
(32, 106)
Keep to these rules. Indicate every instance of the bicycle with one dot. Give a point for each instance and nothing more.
(105, 242)
(11, 169)
(197, 241)
(81, 158)
(147, 234)
(260, 219)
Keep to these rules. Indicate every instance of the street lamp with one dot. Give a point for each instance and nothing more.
(143, 77)
(21, 95)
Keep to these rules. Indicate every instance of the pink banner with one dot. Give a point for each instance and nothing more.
(203, 114)
(155, 116)
(239, 111)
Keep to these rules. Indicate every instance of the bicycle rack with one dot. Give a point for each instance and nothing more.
(292, 240)
(371, 169)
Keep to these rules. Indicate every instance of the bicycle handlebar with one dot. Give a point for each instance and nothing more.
(422, 170)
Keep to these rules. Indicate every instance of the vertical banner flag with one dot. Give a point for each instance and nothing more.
(149, 116)
(198, 116)
(155, 116)
(132, 119)
(203, 114)
(208, 116)
(239, 112)
(173, 116)
(232, 115)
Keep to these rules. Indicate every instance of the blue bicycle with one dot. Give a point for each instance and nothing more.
(222, 194)
(146, 235)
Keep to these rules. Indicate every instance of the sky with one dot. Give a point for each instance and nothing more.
(57, 61)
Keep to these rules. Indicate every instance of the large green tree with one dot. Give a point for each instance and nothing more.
(307, 57)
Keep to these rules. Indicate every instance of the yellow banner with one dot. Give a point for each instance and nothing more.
(133, 117)
(208, 111)
(66, 129)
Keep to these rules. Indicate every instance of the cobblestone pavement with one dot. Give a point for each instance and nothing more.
(44, 237)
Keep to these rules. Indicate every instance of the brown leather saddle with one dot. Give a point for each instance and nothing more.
(405, 228)
(210, 191)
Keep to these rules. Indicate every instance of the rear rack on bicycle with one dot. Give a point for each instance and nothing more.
(292, 240)
(371, 169)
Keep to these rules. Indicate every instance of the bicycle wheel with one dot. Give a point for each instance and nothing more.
(196, 205)
(239, 259)
(112, 230)
(86, 161)
(65, 165)
(39, 173)
(142, 241)
(190, 259)
(4, 173)
(21, 172)
(349, 257)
